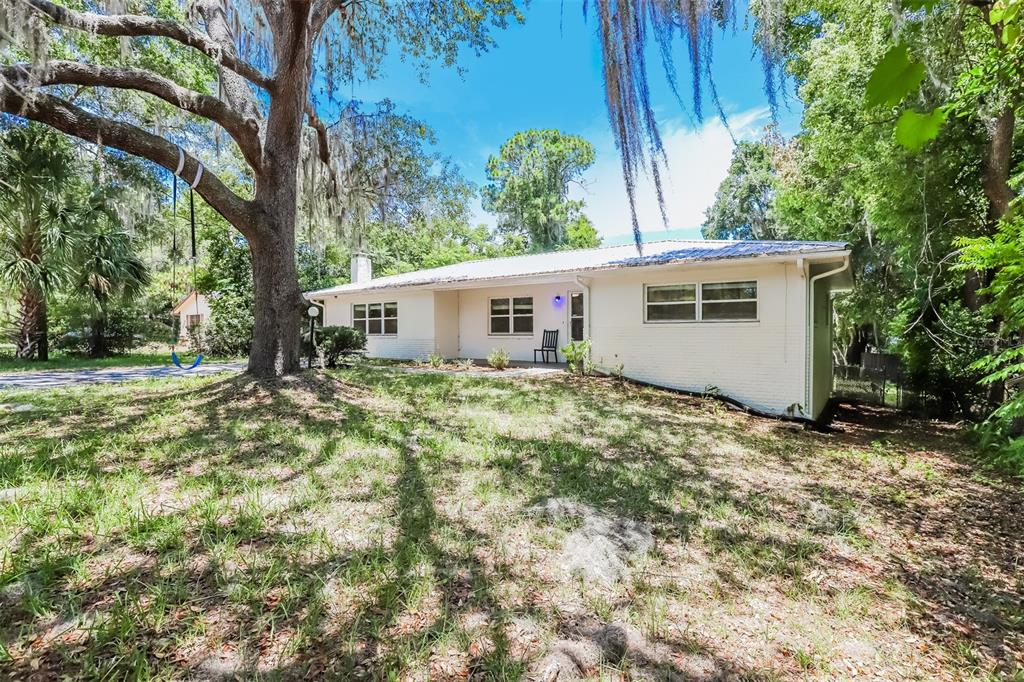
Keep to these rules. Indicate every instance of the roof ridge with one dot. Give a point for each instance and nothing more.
(543, 253)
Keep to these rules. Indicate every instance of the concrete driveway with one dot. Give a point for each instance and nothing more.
(30, 380)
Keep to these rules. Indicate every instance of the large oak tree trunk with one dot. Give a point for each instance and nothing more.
(277, 300)
(276, 307)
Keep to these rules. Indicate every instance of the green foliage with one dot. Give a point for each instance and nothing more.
(1003, 255)
(894, 77)
(743, 207)
(988, 74)
(435, 360)
(580, 233)
(943, 368)
(336, 341)
(62, 233)
(843, 177)
(499, 359)
(126, 326)
(108, 270)
(914, 129)
(227, 282)
(529, 190)
(400, 248)
(577, 356)
(320, 268)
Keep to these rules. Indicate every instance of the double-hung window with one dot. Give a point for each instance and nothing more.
(376, 319)
(670, 303)
(728, 301)
(707, 302)
(511, 315)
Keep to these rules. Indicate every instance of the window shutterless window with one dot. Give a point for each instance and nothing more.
(728, 301)
(193, 321)
(513, 315)
(375, 319)
(670, 303)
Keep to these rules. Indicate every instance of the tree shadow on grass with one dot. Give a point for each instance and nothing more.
(223, 584)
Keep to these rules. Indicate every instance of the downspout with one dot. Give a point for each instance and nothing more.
(809, 389)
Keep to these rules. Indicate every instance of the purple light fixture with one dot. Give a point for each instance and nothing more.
(557, 301)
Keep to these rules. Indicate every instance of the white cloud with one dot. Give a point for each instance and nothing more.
(698, 161)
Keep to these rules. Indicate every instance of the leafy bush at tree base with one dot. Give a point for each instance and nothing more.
(334, 341)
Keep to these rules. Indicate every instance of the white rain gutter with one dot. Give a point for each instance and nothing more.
(809, 390)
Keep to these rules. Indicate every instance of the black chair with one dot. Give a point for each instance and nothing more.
(549, 344)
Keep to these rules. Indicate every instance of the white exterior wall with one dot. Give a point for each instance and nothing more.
(189, 307)
(760, 364)
(476, 342)
(415, 338)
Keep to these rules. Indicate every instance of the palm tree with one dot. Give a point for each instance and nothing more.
(109, 269)
(37, 209)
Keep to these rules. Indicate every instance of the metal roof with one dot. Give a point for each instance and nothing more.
(605, 258)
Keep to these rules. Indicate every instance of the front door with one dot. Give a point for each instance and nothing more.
(576, 325)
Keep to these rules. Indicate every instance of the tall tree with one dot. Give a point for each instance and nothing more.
(530, 179)
(38, 202)
(270, 61)
(743, 207)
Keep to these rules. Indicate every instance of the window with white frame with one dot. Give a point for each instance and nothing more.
(376, 319)
(670, 303)
(707, 302)
(511, 315)
(728, 301)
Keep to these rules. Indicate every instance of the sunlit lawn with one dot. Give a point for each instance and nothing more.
(368, 523)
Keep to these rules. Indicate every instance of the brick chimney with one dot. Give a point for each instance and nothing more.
(362, 268)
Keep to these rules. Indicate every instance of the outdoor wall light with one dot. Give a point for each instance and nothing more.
(558, 301)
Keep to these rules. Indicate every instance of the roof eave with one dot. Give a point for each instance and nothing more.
(820, 255)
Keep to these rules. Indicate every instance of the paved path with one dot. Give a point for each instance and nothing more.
(107, 375)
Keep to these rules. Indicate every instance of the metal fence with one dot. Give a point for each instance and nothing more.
(879, 380)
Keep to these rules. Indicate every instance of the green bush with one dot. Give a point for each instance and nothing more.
(126, 326)
(334, 341)
(229, 329)
(435, 360)
(577, 355)
(499, 359)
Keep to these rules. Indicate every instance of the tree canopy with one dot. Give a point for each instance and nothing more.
(530, 180)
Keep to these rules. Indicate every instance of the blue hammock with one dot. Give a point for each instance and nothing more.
(177, 362)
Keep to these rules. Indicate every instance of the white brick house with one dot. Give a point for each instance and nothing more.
(748, 320)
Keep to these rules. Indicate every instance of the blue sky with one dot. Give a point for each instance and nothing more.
(543, 75)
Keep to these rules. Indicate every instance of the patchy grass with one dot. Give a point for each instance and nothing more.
(369, 523)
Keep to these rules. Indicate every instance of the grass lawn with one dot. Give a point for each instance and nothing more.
(372, 524)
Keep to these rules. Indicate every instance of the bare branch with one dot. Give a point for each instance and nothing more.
(322, 13)
(132, 25)
(245, 131)
(78, 122)
(323, 147)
